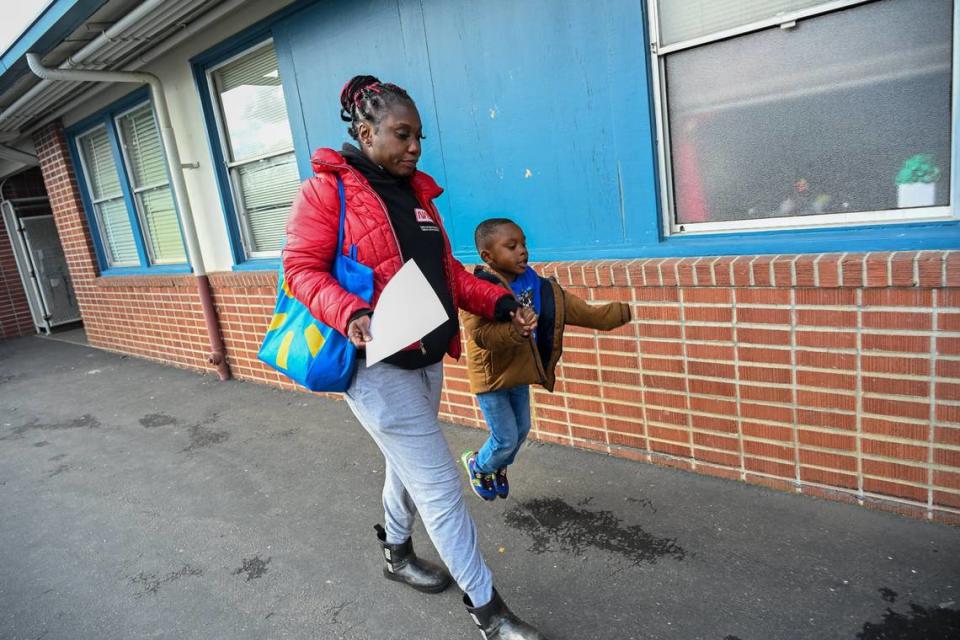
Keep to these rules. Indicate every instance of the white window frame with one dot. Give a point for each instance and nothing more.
(95, 203)
(858, 218)
(233, 167)
(136, 192)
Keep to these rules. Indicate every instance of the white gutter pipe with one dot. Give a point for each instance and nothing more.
(115, 31)
(189, 31)
(176, 177)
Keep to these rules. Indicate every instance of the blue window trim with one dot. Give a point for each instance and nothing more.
(239, 42)
(106, 118)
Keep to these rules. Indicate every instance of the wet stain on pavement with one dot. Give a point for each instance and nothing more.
(85, 421)
(151, 582)
(731, 638)
(7, 378)
(254, 568)
(201, 436)
(154, 420)
(643, 502)
(920, 623)
(42, 443)
(551, 521)
(57, 457)
(63, 468)
(888, 594)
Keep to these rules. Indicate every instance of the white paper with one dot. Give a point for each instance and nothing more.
(407, 310)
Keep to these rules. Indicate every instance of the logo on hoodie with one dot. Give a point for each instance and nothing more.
(426, 222)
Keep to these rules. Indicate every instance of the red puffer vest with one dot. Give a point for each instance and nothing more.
(312, 242)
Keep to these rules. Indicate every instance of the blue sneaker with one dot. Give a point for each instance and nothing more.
(481, 483)
(501, 483)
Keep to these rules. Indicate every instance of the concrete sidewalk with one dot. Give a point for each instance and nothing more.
(142, 501)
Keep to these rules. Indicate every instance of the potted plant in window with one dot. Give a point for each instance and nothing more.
(917, 182)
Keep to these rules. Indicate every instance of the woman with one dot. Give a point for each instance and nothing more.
(391, 218)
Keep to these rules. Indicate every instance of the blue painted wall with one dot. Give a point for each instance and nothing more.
(538, 110)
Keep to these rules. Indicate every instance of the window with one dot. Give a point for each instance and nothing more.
(257, 147)
(147, 171)
(126, 185)
(793, 113)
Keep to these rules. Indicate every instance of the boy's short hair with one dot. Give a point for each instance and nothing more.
(486, 229)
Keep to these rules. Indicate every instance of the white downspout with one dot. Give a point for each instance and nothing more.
(176, 177)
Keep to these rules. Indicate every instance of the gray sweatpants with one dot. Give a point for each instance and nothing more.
(398, 408)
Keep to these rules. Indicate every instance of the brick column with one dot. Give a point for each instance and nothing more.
(61, 183)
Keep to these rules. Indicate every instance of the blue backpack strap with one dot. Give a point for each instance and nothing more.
(343, 215)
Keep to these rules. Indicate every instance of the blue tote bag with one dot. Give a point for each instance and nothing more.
(301, 347)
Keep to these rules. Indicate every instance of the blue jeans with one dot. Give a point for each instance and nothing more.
(507, 412)
(398, 408)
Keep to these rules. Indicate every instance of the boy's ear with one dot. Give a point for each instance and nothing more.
(485, 255)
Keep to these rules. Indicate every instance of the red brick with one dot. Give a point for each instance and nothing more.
(826, 318)
(826, 360)
(753, 296)
(763, 336)
(827, 339)
(894, 450)
(896, 408)
(899, 343)
(827, 440)
(710, 423)
(819, 400)
(765, 393)
(896, 365)
(769, 467)
(764, 355)
(768, 450)
(897, 298)
(762, 315)
(708, 314)
(894, 386)
(830, 419)
(948, 346)
(717, 457)
(712, 388)
(878, 269)
(821, 476)
(711, 295)
(894, 489)
(895, 429)
(891, 320)
(767, 431)
(724, 334)
(826, 297)
(828, 460)
(847, 382)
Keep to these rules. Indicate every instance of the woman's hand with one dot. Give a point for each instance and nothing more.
(524, 320)
(358, 332)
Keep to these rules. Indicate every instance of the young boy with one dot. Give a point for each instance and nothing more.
(503, 361)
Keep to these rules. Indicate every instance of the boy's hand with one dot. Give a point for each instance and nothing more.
(524, 320)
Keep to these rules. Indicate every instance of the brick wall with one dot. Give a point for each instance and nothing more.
(15, 319)
(830, 375)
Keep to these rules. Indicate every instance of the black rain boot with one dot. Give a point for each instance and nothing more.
(497, 622)
(404, 566)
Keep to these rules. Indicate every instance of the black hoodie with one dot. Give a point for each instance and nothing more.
(420, 240)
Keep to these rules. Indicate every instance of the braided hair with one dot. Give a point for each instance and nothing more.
(366, 99)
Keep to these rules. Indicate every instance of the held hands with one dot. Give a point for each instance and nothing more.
(358, 332)
(524, 320)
